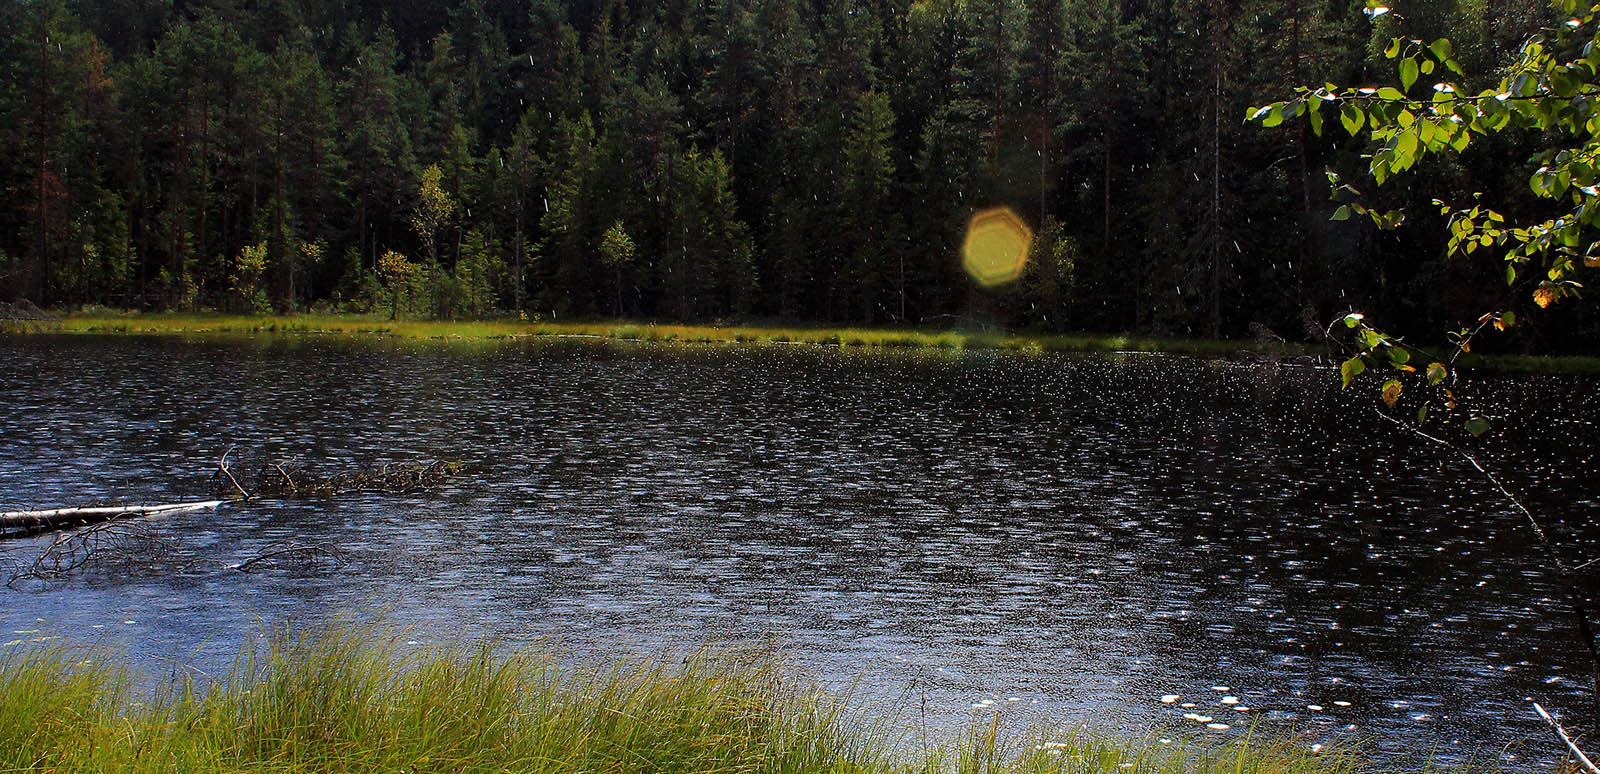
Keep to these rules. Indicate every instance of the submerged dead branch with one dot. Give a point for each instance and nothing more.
(122, 536)
(307, 551)
(121, 541)
(286, 480)
(222, 467)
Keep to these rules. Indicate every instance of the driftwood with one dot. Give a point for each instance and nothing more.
(93, 535)
(15, 524)
(1572, 747)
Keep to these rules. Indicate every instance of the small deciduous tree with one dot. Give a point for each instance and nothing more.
(616, 252)
(433, 211)
(1546, 92)
(399, 276)
(477, 271)
(1050, 276)
(248, 269)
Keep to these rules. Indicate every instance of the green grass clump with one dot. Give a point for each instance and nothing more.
(353, 699)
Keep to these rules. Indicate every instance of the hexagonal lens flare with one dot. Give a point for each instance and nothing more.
(996, 249)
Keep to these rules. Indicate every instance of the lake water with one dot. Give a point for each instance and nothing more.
(1071, 537)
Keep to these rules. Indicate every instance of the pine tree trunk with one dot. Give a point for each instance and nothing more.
(42, 248)
(518, 278)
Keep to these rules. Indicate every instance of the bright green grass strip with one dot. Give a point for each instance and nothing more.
(199, 324)
(354, 699)
(862, 339)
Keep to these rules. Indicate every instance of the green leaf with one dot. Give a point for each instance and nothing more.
(1422, 414)
(1441, 49)
(1343, 213)
(1350, 369)
(1508, 319)
(1399, 356)
(1314, 113)
(1274, 117)
(1408, 73)
(1499, 119)
(1511, 273)
(1352, 117)
(1405, 149)
(1478, 425)
(1524, 86)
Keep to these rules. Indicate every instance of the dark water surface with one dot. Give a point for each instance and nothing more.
(1077, 536)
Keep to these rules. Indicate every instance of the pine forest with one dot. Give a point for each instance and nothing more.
(734, 160)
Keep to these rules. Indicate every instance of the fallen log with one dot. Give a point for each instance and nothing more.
(17, 524)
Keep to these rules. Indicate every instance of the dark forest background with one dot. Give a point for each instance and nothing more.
(798, 160)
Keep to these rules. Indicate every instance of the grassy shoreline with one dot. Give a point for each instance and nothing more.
(353, 699)
(201, 324)
(844, 337)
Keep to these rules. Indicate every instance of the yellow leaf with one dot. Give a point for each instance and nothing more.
(1544, 296)
(1391, 392)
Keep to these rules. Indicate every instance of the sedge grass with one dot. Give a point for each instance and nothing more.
(353, 699)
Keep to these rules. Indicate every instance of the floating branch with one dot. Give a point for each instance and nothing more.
(15, 524)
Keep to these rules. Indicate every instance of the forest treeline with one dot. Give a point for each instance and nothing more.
(729, 159)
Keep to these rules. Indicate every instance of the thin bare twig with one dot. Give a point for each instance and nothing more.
(292, 488)
(222, 465)
(123, 538)
(1579, 608)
